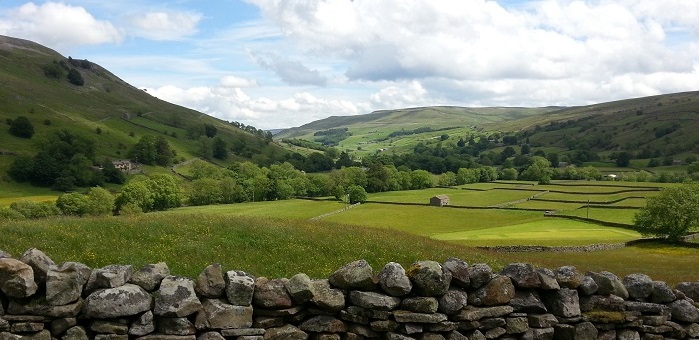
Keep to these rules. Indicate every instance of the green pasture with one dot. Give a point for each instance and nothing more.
(294, 209)
(610, 215)
(662, 262)
(469, 198)
(596, 198)
(190, 242)
(548, 232)
(427, 220)
(547, 205)
(11, 192)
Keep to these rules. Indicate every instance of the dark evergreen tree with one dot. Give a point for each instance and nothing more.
(75, 78)
(22, 127)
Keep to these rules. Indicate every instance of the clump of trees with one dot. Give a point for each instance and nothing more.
(152, 150)
(670, 214)
(22, 127)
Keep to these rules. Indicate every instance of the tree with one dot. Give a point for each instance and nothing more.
(220, 150)
(99, 201)
(671, 213)
(623, 159)
(22, 127)
(210, 130)
(356, 194)
(75, 78)
(166, 191)
(135, 194)
(74, 204)
(163, 152)
(205, 191)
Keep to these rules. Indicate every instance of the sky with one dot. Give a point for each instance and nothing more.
(283, 63)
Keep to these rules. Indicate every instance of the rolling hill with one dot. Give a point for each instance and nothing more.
(34, 84)
(649, 127)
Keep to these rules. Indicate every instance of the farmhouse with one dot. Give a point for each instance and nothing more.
(124, 165)
(439, 200)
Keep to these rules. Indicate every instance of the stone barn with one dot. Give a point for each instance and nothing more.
(439, 200)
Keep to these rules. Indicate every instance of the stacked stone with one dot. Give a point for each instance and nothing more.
(428, 301)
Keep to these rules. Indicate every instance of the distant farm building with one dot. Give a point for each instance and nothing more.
(439, 200)
(677, 162)
(124, 165)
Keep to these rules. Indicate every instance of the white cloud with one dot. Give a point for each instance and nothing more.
(237, 82)
(233, 104)
(293, 72)
(475, 51)
(58, 25)
(165, 25)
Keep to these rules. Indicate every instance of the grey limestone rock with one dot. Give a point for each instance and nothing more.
(410, 317)
(108, 327)
(459, 272)
(585, 331)
(471, 313)
(548, 279)
(639, 286)
(217, 314)
(393, 280)
(662, 293)
(143, 325)
(453, 301)
(16, 278)
(429, 278)
(356, 275)
(65, 283)
(684, 310)
(587, 285)
(271, 294)
(528, 301)
(327, 298)
(323, 324)
(211, 336)
(608, 283)
(39, 262)
(176, 297)
(150, 275)
(522, 275)
(240, 288)
(498, 291)
(538, 334)
(568, 277)
(299, 288)
(516, 325)
(479, 274)
(372, 300)
(175, 326)
(38, 305)
(287, 332)
(110, 276)
(420, 304)
(563, 303)
(126, 300)
(75, 333)
(210, 283)
(628, 334)
(690, 289)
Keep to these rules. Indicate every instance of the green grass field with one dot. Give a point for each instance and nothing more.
(469, 198)
(11, 192)
(426, 220)
(190, 242)
(610, 215)
(548, 232)
(292, 209)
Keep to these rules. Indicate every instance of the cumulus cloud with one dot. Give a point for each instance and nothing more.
(165, 25)
(234, 104)
(58, 25)
(292, 72)
(535, 53)
(237, 82)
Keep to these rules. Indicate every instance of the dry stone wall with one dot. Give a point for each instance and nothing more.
(429, 301)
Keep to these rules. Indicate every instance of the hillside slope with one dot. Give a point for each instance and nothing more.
(107, 109)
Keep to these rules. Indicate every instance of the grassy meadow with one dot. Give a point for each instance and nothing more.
(277, 239)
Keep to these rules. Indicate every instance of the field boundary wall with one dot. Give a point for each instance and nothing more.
(451, 300)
